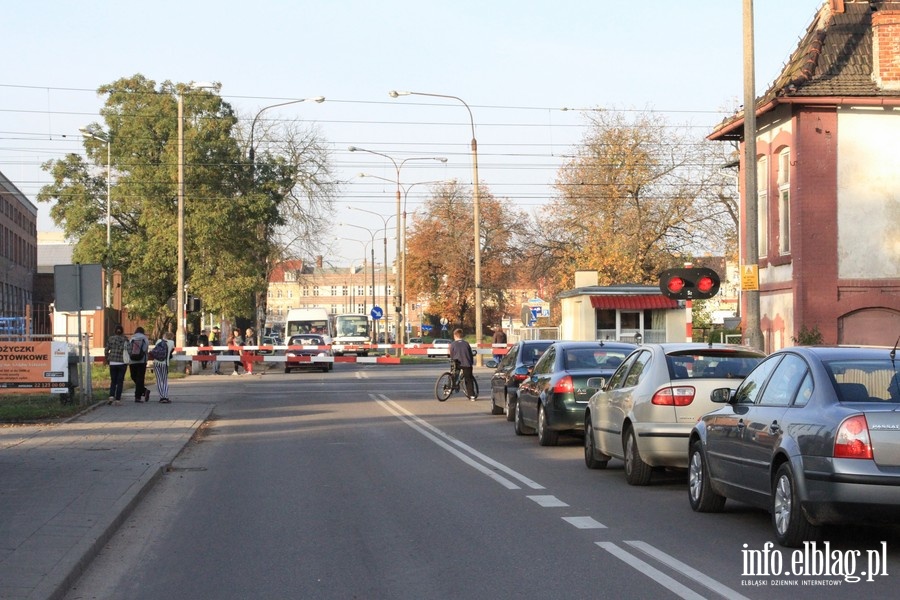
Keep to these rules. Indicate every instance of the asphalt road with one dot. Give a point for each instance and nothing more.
(358, 484)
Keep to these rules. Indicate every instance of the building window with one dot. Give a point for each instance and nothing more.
(344, 291)
(334, 290)
(315, 290)
(305, 290)
(762, 205)
(784, 202)
(290, 276)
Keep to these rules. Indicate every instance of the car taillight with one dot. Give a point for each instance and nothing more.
(674, 396)
(520, 377)
(564, 385)
(852, 439)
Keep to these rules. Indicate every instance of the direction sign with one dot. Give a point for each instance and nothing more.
(377, 312)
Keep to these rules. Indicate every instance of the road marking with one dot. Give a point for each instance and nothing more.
(548, 501)
(584, 522)
(687, 570)
(652, 572)
(362, 374)
(434, 434)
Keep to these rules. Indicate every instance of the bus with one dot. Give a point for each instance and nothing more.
(352, 329)
(308, 320)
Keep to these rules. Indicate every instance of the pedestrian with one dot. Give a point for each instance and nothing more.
(499, 338)
(461, 355)
(234, 348)
(215, 339)
(203, 340)
(161, 367)
(246, 361)
(137, 368)
(115, 359)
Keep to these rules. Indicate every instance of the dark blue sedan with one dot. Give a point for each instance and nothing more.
(553, 397)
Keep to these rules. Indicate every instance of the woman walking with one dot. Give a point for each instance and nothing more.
(115, 358)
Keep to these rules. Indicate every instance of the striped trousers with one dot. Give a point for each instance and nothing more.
(161, 369)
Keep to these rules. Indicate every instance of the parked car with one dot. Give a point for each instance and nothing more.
(269, 340)
(512, 371)
(553, 398)
(440, 347)
(644, 414)
(311, 345)
(812, 435)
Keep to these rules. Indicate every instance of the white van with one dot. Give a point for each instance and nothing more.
(308, 320)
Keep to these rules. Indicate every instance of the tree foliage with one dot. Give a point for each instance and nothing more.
(441, 253)
(639, 196)
(233, 213)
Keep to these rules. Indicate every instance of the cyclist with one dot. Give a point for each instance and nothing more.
(461, 355)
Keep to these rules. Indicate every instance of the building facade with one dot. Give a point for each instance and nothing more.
(828, 181)
(18, 252)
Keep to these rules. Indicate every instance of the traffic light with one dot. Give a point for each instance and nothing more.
(696, 283)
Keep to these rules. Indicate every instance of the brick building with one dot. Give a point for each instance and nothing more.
(828, 189)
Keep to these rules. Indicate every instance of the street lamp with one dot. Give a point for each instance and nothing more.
(384, 221)
(106, 138)
(372, 234)
(181, 300)
(476, 209)
(406, 190)
(251, 154)
(365, 245)
(397, 166)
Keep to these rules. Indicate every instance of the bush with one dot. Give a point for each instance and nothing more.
(809, 337)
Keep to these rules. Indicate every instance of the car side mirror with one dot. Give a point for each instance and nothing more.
(491, 364)
(721, 395)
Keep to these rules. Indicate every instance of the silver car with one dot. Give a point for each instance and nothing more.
(645, 413)
(812, 435)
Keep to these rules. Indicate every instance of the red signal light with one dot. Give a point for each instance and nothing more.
(675, 284)
(705, 284)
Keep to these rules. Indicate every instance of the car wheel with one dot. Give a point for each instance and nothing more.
(546, 436)
(510, 407)
(590, 452)
(792, 527)
(637, 472)
(286, 370)
(519, 424)
(700, 492)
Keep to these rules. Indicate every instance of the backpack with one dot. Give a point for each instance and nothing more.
(160, 351)
(136, 349)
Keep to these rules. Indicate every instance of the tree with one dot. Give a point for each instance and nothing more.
(441, 253)
(231, 214)
(638, 197)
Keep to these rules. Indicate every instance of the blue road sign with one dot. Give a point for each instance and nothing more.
(377, 312)
(426, 327)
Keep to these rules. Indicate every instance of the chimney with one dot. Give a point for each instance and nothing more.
(886, 49)
(319, 262)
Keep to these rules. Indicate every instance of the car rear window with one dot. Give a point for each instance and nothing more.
(711, 364)
(865, 380)
(532, 352)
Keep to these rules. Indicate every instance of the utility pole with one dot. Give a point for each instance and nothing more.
(752, 328)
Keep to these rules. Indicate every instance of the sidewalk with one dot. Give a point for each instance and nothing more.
(65, 488)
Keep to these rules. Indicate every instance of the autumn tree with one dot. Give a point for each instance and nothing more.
(233, 213)
(639, 196)
(441, 253)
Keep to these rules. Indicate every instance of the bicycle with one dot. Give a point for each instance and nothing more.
(452, 381)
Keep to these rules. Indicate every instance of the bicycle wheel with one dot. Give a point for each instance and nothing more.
(443, 387)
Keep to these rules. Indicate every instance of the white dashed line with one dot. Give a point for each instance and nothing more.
(584, 522)
(548, 501)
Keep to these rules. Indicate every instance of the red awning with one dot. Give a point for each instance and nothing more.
(633, 302)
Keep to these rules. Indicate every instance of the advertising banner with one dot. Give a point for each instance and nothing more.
(42, 366)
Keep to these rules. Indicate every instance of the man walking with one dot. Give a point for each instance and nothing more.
(137, 352)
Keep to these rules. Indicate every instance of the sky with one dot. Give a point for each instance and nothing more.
(529, 71)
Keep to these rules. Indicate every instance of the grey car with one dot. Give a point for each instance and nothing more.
(645, 413)
(812, 435)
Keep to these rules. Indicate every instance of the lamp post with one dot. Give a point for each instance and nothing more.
(251, 155)
(397, 166)
(181, 300)
(476, 208)
(106, 138)
(406, 190)
(365, 254)
(384, 221)
(372, 234)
